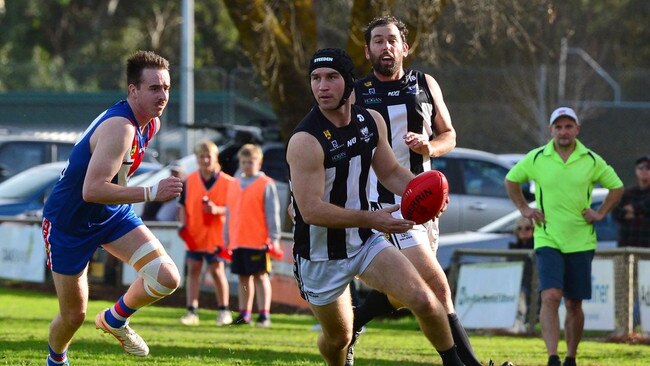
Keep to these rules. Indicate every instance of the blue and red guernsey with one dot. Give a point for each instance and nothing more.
(65, 207)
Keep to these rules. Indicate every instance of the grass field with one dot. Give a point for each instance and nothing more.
(25, 316)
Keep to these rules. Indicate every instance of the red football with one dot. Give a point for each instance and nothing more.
(425, 196)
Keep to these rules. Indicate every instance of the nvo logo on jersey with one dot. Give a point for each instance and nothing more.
(393, 93)
(352, 141)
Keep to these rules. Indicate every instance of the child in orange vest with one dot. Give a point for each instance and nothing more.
(252, 226)
(202, 212)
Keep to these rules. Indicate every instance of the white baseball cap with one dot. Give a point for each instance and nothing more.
(563, 112)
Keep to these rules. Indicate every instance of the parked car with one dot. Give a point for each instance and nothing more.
(477, 194)
(23, 151)
(499, 233)
(25, 193)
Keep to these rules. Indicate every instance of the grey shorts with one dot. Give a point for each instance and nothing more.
(426, 233)
(322, 282)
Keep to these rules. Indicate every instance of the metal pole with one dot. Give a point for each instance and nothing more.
(187, 76)
(541, 104)
(564, 50)
(562, 72)
(599, 70)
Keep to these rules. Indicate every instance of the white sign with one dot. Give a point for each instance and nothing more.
(643, 278)
(599, 311)
(22, 252)
(174, 246)
(487, 294)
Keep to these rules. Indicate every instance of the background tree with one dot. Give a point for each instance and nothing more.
(488, 55)
(280, 36)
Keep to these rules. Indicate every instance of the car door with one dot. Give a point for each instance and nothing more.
(484, 198)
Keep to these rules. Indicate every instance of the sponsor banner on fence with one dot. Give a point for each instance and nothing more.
(22, 252)
(599, 311)
(643, 277)
(487, 294)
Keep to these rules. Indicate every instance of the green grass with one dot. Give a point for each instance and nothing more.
(25, 317)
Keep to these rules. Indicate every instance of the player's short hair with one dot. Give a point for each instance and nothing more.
(143, 60)
(250, 151)
(384, 21)
(206, 146)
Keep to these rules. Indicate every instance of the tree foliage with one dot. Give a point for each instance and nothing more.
(76, 45)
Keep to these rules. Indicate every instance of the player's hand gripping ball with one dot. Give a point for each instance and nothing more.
(425, 197)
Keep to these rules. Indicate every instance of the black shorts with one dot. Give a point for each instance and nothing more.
(200, 256)
(246, 261)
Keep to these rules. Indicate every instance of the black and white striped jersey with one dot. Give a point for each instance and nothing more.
(348, 154)
(406, 105)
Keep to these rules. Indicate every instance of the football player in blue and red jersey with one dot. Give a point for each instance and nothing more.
(90, 206)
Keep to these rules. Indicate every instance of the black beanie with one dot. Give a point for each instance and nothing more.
(338, 60)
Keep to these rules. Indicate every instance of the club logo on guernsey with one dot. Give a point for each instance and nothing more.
(365, 134)
(328, 134)
(367, 84)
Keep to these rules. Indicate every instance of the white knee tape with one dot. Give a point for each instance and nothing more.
(145, 249)
(149, 271)
(149, 274)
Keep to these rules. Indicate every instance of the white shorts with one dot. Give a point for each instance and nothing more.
(322, 282)
(418, 235)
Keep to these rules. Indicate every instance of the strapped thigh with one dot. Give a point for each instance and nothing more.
(147, 261)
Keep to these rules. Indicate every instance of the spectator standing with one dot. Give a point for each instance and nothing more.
(252, 228)
(202, 212)
(90, 206)
(633, 211)
(633, 215)
(565, 172)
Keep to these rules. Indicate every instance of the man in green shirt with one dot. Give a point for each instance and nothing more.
(564, 172)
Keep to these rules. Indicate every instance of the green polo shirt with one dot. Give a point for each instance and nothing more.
(563, 191)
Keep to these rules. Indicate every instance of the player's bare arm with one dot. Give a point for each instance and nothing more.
(108, 145)
(445, 134)
(307, 183)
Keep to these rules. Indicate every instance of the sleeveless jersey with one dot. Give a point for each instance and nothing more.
(407, 106)
(65, 207)
(348, 153)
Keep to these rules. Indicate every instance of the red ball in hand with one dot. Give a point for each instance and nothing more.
(425, 196)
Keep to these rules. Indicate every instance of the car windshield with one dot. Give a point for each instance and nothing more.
(29, 182)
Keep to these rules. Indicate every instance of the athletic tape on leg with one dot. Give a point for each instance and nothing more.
(147, 260)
